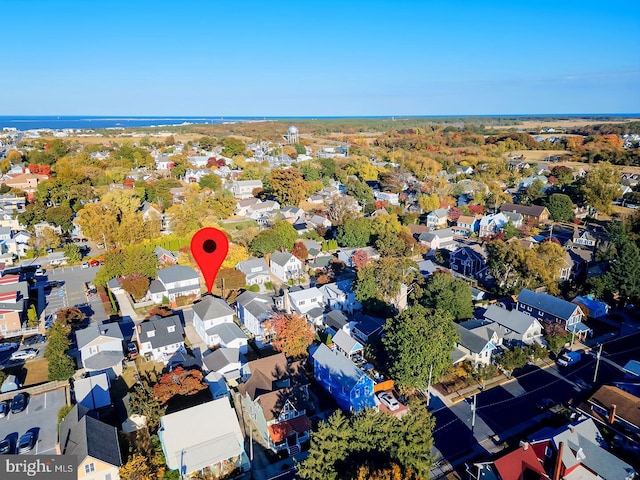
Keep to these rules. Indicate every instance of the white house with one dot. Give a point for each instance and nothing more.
(160, 338)
(213, 320)
(245, 188)
(173, 282)
(253, 310)
(474, 346)
(491, 224)
(518, 328)
(340, 296)
(308, 302)
(228, 362)
(101, 348)
(285, 266)
(255, 271)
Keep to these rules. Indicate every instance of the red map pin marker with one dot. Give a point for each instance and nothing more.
(209, 246)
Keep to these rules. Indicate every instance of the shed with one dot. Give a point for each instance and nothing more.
(10, 384)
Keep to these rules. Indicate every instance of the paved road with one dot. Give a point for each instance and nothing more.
(502, 408)
(40, 416)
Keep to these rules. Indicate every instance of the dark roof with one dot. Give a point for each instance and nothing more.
(280, 258)
(336, 319)
(547, 303)
(211, 307)
(528, 210)
(369, 325)
(96, 330)
(83, 435)
(162, 335)
(267, 371)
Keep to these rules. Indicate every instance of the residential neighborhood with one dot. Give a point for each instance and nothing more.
(476, 318)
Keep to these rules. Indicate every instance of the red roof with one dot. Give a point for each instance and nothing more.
(8, 297)
(513, 465)
(9, 279)
(279, 431)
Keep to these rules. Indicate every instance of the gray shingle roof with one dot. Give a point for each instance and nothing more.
(257, 264)
(474, 343)
(345, 341)
(336, 319)
(339, 366)
(257, 305)
(280, 258)
(514, 320)
(547, 303)
(211, 307)
(220, 358)
(176, 273)
(162, 336)
(95, 330)
(83, 435)
(227, 332)
(103, 360)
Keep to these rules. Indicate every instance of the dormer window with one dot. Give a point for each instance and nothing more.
(151, 333)
(171, 328)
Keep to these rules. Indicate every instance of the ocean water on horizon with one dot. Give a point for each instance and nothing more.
(96, 122)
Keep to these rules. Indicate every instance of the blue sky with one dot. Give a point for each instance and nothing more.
(319, 58)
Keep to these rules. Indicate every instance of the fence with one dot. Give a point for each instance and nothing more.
(21, 332)
(38, 389)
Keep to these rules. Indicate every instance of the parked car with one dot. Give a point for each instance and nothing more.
(40, 272)
(85, 264)
(132, 350)
(5, 447)
(388, 401)
(25, 354)
(19, 403)
(569, 358)
(4, 409)
(26, 442)
(544, 404)
(94, 263)
(5, 347)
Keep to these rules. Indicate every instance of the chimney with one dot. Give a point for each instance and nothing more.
(558, 464)
(139, 329)
(524, 445)
(103, 332)
(612, 414)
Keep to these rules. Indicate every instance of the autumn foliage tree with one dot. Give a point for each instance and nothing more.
(300, 251)
(179, 382)
(136, 285)
(292, 334)
(360, 258)
(71, 316)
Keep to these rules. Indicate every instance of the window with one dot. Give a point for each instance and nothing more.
(151, 333)
(89, 467)
(171, 328)
(107, 476)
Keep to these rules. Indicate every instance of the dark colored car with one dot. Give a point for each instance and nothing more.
(19, 403)
(132, 350)
(5, 447)
(26, 442)
(4, 409)
(544, 404)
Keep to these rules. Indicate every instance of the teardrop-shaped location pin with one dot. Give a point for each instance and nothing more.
(209, 247)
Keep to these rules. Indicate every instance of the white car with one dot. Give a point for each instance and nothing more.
(388, 401)
(40, 272)
(7, 346)
(25, 354)
(85, 264)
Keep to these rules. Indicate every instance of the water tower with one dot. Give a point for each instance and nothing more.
(292, 134)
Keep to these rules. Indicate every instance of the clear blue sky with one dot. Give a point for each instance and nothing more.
(319, 58)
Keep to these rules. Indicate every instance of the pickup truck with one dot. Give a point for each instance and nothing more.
(569, 358)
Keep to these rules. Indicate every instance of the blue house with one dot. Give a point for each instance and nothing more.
(554, 310)
(437, 218)
(348, 385)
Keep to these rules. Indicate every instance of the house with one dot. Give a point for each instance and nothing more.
(175, 282)
(152, 213)
(101, 348)
(475, 347)
(591, 307)
(94, 444)
(584, 238)
(514, 218)
(389, 197)
(466, 225)
(346, 255)
(285, 266)
(255, 271)
(347, 345)
(532, 214)
(245, 188)
(253, 310)
(213, 321)
(518, 328)
(27, 182)
(275, 397)
(438, 239)
(616, 409)
(578, 451)
(340, 296)
(204, 439)
(348, 385)
(491, 224)
(522, 463)
(437, 218)
(336, 320)
(92, 392)
(308, 302)
(14, 295)
(469, 261)
(160, 338)
(165, 257)
(228, 362)
(367, 328)
(553, 310)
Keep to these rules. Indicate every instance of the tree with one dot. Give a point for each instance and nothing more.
(444, 292)
(179, 382)
(354, 232)
(32, 316)
(232, 147)
(360, 258)
(72, 253)
(60, 365)
(136, 284)
(48, 238)
(230, 279)
(341, 208)
(211, 182)
(61, 216)
(237, 253)
(429, 203)
(286, 185)
(533, 192)
(416, 339)
(601, 187)
(623, 277)
(300, 251)
(71, 316)
(560, 207)
(137, 468)
(292, 334)
(380, 280)
(144, 401)
(281, 236)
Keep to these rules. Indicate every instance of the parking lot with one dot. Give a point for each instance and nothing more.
(40, 417)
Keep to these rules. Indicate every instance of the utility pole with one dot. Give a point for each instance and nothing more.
(429, 385)
(473, 413)
(595, 374)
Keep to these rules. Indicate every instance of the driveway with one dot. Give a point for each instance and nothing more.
(72, 292)
(40, 416)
